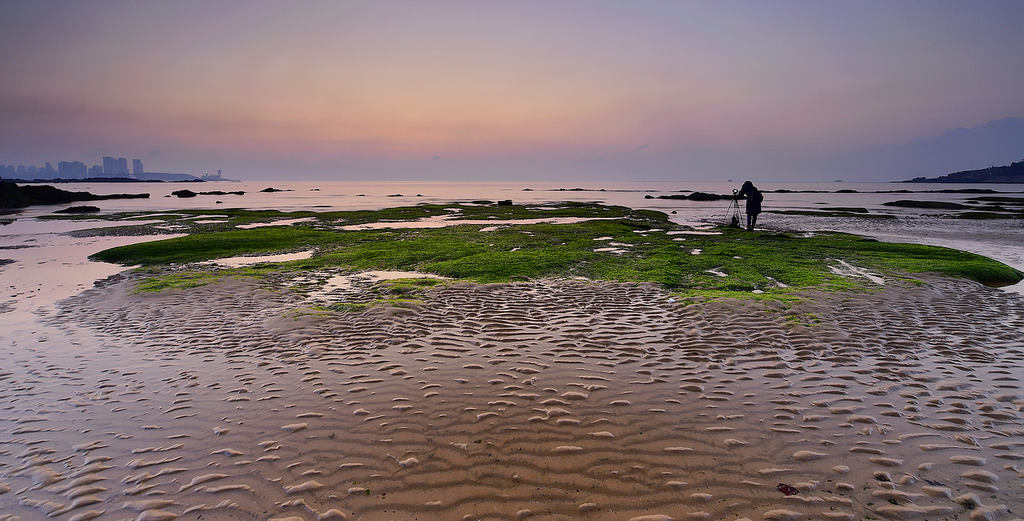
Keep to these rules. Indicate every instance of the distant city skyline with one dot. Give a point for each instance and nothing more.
(785, 90)
(109, 166)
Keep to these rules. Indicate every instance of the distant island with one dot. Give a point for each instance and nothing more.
(1013, 173)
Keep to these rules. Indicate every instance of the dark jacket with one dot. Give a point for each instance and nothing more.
(754, 197)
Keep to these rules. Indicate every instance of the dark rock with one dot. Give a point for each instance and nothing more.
(702, 196)
(14, 196)
(79, 209)
(272, 189)
(394, 195)
(220, 192)
(695, 196)
(938, 205)
(505, 202)
(184, 193)
(965, 191)
(988, 215)
(1012, 200)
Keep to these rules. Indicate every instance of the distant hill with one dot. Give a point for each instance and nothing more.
(1014, 173)
(165, 176)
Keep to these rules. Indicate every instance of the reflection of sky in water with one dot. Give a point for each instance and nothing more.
(53, 254)
(443, 221)
(236, 262)
(53, 267)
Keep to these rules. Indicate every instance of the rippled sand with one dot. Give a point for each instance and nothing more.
(546, 400)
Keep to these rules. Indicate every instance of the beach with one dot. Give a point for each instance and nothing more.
(511, 261)
(540, 400)
(262, 397)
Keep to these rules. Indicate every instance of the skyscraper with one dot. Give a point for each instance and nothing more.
(136, 167)
(71, 169)
(122, 166)
(109, 165)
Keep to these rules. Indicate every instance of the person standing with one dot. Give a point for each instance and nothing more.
(754, 199)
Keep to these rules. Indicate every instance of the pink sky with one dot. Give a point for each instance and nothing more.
(347, 89)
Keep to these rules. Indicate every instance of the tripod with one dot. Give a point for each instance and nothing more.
(733, 215)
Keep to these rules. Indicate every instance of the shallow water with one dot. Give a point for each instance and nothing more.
(249, 260)
(1000, 239)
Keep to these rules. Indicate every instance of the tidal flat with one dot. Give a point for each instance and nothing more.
(610, 243)
(619, 366)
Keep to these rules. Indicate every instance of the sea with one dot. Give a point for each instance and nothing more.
(45, 263)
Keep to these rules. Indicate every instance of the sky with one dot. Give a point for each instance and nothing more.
(487, 90)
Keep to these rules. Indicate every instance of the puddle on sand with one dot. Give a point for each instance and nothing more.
(27, 226)
(345, 282)
(205, 216)
(283, 222)
(236, 262)
(845, 269)
(441, 221)
(692, 232)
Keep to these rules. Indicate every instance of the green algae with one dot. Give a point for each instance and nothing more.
(775, 265)
(180, 280)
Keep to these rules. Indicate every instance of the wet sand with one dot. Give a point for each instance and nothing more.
(541, 400)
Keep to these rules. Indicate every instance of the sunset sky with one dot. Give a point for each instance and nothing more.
(506, 90)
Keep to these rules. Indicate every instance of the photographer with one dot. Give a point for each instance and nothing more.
(754, 199)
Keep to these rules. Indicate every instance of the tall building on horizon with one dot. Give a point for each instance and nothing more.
(136, 167)
(109, 165)
(122, 166)
(71, 169)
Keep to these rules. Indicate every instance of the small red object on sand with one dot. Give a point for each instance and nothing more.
(787, 489)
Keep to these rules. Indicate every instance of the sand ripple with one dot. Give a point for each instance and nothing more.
(538, 400)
